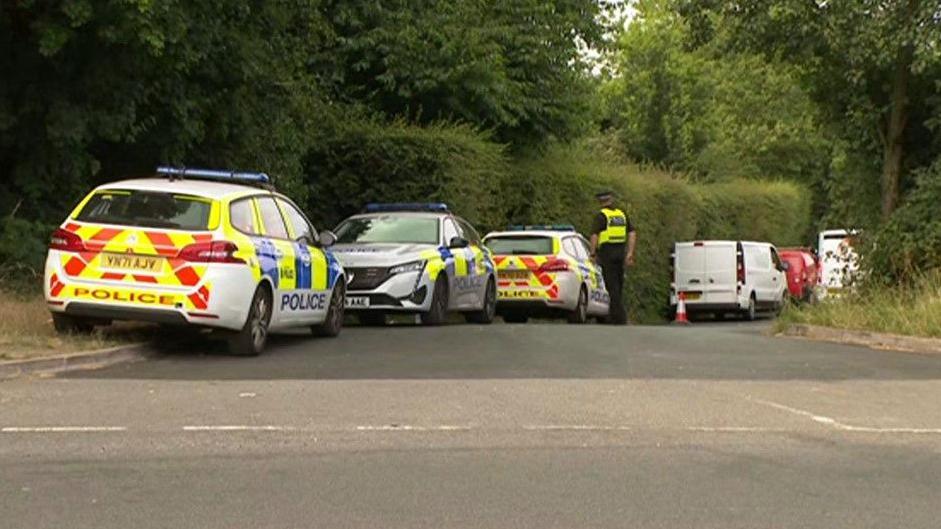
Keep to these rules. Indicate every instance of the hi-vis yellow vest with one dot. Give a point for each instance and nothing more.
(616, 230)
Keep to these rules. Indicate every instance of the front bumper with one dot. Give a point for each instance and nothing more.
(407, 292)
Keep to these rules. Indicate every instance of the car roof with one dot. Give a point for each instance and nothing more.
(531, 233)
(427, 214)
(204, 188)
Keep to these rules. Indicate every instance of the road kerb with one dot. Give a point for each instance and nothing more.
(75, 361)
(874, 340)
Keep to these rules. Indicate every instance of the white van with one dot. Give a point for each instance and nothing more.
(721, 277)
(839, 262)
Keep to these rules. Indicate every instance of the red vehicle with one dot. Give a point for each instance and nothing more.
(803, 271)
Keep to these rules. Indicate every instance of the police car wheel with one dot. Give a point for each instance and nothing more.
(580, 314)
(333, 323)
(486, 314)
(66, 324)
(250, 341)
(438, 312)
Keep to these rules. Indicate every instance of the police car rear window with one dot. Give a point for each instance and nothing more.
(149, 209)
(389, 229)
(516, 245)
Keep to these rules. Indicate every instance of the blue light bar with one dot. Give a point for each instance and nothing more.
(211, 174)
(542, 227)
(437, 207)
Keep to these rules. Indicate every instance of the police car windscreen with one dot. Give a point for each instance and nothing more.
(528, 245)
(389, 229)
(150, 209)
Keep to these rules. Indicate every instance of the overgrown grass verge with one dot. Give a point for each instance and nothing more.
(26, 331)
(913, 310)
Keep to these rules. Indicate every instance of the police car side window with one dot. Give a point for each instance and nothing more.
(469, 232)
(271, 218)
(450, 231)
(298, 222)
(242, 218)
(568, 244)
(582, 248)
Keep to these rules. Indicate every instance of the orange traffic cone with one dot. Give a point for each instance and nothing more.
(681, 309)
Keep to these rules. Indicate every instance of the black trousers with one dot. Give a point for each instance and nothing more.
(613, 271)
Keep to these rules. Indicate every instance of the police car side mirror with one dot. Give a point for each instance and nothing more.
(458, 242)
(327, 238)
(785, 266)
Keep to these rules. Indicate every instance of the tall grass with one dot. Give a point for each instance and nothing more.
(913, 310)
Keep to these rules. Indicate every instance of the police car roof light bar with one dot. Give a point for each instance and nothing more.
(542, 227)
(437, 207)
(213, 174)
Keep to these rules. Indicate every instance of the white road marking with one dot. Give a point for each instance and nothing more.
(238, 428)
(409, 428)
(61, 429)
(734, 429)
(830, 421)
(576, 427)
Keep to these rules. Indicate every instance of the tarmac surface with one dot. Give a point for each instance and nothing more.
(538, 425)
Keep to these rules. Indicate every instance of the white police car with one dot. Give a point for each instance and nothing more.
(546, 270)
(415, 258)
(215, 249)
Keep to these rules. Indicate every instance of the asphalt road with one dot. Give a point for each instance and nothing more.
(541, 425)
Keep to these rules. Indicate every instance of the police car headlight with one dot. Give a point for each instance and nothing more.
(414, 266)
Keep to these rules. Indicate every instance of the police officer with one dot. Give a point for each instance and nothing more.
(612, 246)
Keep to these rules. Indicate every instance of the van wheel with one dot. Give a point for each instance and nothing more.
(438, 312)
(67, 324)
(333, 323)
(251, 340)
(580, 314)
(751, 313)
(486, 314)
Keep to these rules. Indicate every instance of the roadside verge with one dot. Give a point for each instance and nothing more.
(874, 340)
(75, 361)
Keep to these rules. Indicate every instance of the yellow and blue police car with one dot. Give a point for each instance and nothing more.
(217, 249)
(546, 270)
(415, 258)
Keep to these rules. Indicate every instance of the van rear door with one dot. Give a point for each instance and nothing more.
(706, 271)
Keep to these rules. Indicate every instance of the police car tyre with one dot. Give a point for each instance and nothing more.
(333, 323)
(251, 340)
(438, 312)
(580, 314)
(66, 324)
(371, 318)
(486, 314)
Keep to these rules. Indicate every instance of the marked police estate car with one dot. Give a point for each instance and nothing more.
(217, 249)
(415, 258)
(546, 270)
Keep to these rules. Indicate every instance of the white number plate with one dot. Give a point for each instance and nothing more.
(359, 302)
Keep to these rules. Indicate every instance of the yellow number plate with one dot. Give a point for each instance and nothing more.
(513, 274)
(692, 296)
(136, 263)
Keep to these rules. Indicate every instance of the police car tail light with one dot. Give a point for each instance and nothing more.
(211, 252)
(66, 241)
(555, 265)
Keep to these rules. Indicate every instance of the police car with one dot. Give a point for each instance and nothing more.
(217, 249)
(546, 270)
(415, 258)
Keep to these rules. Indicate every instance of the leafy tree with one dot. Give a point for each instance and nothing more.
(514, 67)
(874, 65)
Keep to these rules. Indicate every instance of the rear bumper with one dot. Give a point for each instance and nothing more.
(517, 298)
(220, 299)
(712, 307)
